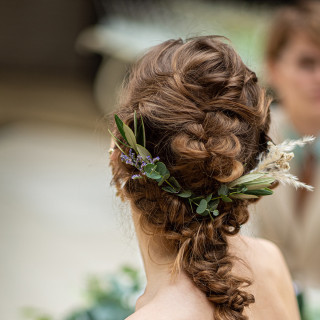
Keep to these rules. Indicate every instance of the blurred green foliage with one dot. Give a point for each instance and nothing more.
(111, 298)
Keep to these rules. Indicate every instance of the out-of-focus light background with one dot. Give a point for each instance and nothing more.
(61, 64)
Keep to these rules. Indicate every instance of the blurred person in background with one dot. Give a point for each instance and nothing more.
(292, 219)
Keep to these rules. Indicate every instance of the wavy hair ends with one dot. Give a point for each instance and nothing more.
(207, 119)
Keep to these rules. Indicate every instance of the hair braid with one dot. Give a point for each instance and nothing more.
(207, 118)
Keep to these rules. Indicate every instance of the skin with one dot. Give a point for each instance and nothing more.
(164, 299)
(295, 75)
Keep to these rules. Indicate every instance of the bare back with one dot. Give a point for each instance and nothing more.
(272, 288)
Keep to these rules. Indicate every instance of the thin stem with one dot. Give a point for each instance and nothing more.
(169, 184)
(190, 204)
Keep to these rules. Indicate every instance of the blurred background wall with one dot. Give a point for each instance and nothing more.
(58, 221)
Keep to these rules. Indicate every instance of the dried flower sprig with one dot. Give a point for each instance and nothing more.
(252, 185)
(275, 163)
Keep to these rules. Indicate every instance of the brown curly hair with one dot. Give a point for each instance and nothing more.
(207, 119)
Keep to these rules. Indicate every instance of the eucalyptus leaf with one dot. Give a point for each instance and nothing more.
(209, 197)
(212, 205)
(185, 194)
(202, 206)
(130, 137)
(149, 168)
(153, 175)
(215, 213)
(204, 213)
(169, 189)
(144, 153)
(246, 178)
(223, 190)
(174, 181)
(225, 198)
(161, 168)
(119, 124)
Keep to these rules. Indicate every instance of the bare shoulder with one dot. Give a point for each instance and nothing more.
(156, 312)
(264, 258)
(266, 255)
(272, 283)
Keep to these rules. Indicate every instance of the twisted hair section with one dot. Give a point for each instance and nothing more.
(207, 118)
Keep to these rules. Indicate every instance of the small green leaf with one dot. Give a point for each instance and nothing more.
(205, 213)
(161, 168)
(173, 181)
(153, 175)
(260, 180)
(119, 124)
(223, 190)
(144, 153)
(185, 194)
(215, 213)
(212, 205)
(261, 192)
(169, 189)
(242, 196)
(246, 178)
(202, 206)
(225, 198)
(149, 168)
(130, 137)
(258, 186)
(209, 197)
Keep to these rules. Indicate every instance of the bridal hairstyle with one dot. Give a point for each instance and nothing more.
(207, 119)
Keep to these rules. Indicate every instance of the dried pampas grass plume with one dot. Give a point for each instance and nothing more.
(275, 162)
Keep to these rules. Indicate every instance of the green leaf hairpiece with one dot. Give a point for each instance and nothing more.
(272, 166)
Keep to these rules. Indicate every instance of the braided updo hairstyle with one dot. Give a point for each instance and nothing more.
(207, 119)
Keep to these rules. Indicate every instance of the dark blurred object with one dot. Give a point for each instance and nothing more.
(39, 35)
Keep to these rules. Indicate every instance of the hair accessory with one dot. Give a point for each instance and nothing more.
(273, 166)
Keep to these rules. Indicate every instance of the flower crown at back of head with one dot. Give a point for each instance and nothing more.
(273, 166)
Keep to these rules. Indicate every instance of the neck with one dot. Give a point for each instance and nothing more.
(157, 261)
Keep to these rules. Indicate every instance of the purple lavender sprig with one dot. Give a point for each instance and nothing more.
(138, 162)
